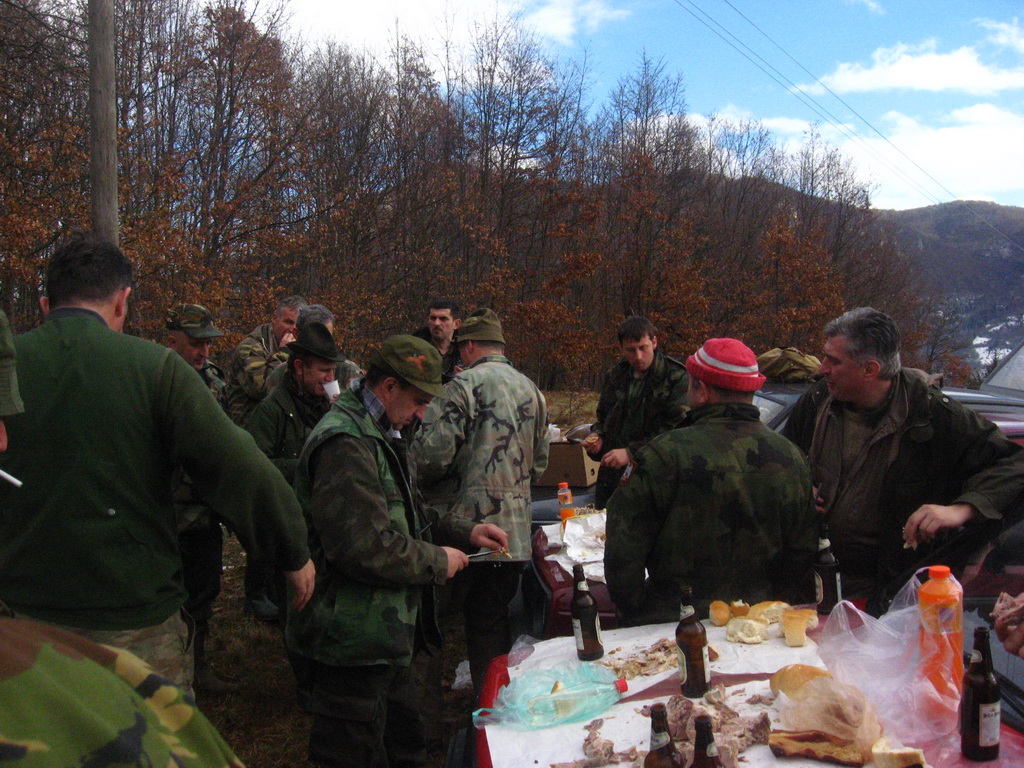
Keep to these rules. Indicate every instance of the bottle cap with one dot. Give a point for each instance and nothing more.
(563, 485)
(938, 572)
(621, 685)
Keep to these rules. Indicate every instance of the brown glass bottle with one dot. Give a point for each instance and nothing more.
(663, 752)
(586, 624)
(692, 645)
(827, 582)
(979, 705)
(705, 752)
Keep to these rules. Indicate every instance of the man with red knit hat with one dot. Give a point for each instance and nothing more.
(723, 504)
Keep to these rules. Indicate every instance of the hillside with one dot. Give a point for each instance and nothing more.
(975, 251)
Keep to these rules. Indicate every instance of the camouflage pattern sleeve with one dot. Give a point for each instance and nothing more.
(439, 438)
(65, 700)
(668, 401)
(635, 519)
(252, 363)
(349, 510)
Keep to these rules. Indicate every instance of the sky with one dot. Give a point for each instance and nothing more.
(926, 97)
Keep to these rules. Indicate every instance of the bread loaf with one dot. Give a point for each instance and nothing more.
(769, 611)
(719, 613)
(792, 678)
(739, 608)
(887, 755)
(796, 622)
(746, 630)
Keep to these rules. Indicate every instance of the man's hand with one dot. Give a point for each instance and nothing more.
(819, 502)
(288, 338)
(931, 518)
(302, 581)
(1012, 637)
(457, 560)
(616, 458)
(592, 443)
(488, 535)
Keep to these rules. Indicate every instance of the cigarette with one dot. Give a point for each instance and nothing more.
(11, 479)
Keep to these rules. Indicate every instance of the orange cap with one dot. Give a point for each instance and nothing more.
(938, 572)
(622, 685)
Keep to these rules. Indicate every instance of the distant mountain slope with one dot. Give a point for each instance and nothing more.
(973, 250)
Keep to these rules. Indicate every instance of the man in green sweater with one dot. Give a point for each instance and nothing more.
(89, 541)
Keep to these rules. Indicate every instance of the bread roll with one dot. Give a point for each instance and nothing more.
(746, 630)
(770, 611)
(739, 608)
(887, 755)
(792, 678)
(719, 613)
(794, 628)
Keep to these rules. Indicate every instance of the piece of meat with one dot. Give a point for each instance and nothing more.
(762, 699)
(748, 730)
(1008, 611)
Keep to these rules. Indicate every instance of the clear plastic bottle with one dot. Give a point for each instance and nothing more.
(940, 603)
(574, 702)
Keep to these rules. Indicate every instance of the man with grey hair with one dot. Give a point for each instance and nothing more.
(897, 464)
(256, 356)
(345, 371)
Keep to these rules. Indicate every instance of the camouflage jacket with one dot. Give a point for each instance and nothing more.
(345, 371)
(723, 505)
(189, 507)
(943, 454)
(282, 422)
(660, 407)
(65, 700)
(369, 537)
(480, 448)
(251, 363)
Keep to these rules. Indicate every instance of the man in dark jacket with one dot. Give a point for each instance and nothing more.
(643, 395)
(352, 647)
(280, 425)
(89, 541)
(723, 505)
(897, 464)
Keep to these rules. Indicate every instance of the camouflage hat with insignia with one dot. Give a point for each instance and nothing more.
(10, 398)
(482, 325)
(413, 360)
(194, 319)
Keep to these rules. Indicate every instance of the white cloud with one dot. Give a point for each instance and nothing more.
(975, 153)
(1005, 34)
(871, 5)
(561, 20)
(921, 68)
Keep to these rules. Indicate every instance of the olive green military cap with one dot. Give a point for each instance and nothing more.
(10, 398)
(413, 360)
(482, 325)
(194, 319)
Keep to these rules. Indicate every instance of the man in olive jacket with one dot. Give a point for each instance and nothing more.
(643, 395)
(895, 461)
(723, 505)
(352, 646)
(89, 541)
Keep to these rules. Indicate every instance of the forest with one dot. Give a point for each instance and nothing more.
(254, 165)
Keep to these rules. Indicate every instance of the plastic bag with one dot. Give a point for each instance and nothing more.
(530, 703)
(881, 657)
(838, 709)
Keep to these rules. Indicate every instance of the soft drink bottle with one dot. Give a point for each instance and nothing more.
(940, 603)
(565, 507)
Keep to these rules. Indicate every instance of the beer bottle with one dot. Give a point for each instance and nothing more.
(828, 586)
(586, 624)
(692, 645)
(663, 752)
(979, 706)
(705, 751)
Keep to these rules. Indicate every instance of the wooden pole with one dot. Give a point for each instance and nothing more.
(102, 119)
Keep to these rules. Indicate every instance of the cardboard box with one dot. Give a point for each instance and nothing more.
(569, 463)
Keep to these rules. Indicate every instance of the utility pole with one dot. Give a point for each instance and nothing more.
(102, 120)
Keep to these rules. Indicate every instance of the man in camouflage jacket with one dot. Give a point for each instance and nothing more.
(475, 457)
(643, 395)
(723, 505)
(190, 333)
(256, 356)
(345, 370)
(352, 646)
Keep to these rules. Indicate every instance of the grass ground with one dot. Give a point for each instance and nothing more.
(261, 719)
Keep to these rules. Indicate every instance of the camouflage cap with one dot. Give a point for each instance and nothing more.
(10, 398)
(482, 325)
(413, 360)
(194, 319)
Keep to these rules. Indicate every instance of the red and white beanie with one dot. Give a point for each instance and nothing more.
(726, 364)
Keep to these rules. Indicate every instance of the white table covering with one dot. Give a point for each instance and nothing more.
(623, 722)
